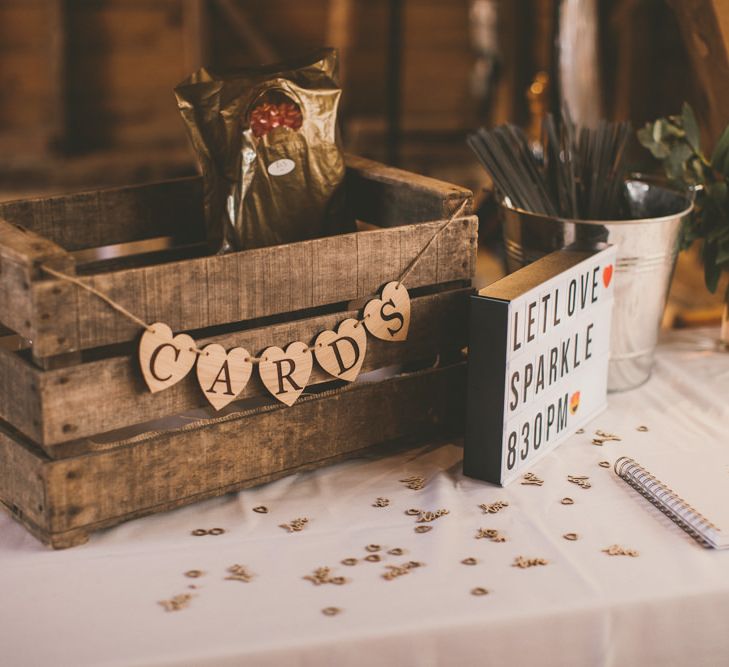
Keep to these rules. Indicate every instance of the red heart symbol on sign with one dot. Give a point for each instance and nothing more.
(607, 274)
(574, 402)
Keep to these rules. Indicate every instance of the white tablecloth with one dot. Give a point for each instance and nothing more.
(98, 604)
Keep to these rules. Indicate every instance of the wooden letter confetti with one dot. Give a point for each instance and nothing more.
(295, 525)
(239, 573)
(494, 507)
(531, 479)
(522, 562)
(414, 482)
(176, 603)
(617, 550)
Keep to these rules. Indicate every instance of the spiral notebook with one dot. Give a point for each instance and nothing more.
(693, 493)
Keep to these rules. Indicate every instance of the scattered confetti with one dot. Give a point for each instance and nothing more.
(373, 558)
(479, 591)
(469, 561)
(490, 534)
(603, 437)
(239, 573)
(531, 479)
(617, 550)
(426, 516)
(381, 502)
(177, 603)
(570, 536)
(396, 551)
(579, 431)
(349, 561)
(394, 571)
(322, 575)
(423, 529)
(642, 429)
(567, 501)
(604, 464)
(414, 482)
(295, 525)
(494, 507)
(582, 481)
(373, 547)
(261, 509)
(331, 611)
(194, 574)
(522, 562)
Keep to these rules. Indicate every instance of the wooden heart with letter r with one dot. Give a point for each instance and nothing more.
(165, 359)
(223, 375)
(341, 353)
(285, 374)
(388, 318)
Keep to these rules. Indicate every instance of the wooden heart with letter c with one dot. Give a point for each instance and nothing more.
(285, 374)
(165, 359)
(223, 375)
(388, 318)
(341, 353)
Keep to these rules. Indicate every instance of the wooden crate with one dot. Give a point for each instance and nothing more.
(64, 468)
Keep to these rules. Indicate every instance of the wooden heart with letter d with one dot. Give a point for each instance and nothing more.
(223, 375)
(388, 318)
(341, 353)
(165, 359)
(285, 374)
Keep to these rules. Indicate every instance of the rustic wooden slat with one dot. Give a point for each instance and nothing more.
(21, 253)
(208, 291)
(387, 196)
(108, 394)
(118, 215)
(378, 194)
(172, 469)
(23, 482)
(20, 398)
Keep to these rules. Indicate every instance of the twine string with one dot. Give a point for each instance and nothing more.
(253, 359)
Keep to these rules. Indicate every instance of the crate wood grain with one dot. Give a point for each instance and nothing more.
(66, 465)
(98, 396)
(209, 291)
(62, 501)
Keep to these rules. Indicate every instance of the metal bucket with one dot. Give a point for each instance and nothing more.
(647, 248)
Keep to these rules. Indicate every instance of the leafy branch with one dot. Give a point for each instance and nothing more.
(675, 141)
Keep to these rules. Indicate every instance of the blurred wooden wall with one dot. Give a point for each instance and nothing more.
(86, 86)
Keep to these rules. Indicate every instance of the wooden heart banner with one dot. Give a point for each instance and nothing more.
(222, 374)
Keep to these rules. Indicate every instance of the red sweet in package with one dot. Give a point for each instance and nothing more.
(265, 117)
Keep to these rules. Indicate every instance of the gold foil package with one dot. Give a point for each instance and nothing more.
(267, 142)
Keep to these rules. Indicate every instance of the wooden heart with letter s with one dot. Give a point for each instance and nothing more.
(388, 318)
(223, 375)
(285, 374)
(165, 359)
(341, 353)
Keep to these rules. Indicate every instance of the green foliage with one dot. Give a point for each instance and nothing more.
(675, 142)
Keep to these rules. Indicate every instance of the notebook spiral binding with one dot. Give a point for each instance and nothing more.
(664, 498)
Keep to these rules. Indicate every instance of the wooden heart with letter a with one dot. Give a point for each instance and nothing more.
(341, 353)
(223, 375)
(285, 374)
(388, 318)
(165, 359)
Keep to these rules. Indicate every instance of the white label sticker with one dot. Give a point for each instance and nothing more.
(281, 167)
